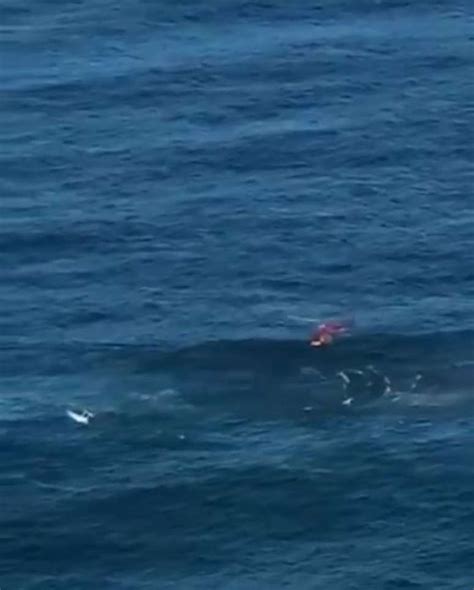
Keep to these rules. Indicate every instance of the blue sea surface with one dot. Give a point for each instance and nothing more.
(186, 189)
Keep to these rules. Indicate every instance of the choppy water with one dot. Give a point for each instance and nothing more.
(181, 185)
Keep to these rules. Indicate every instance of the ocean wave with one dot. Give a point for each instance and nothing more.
(453, 347)
(257, 378)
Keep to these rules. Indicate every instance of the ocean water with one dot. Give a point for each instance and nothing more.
(186, 188)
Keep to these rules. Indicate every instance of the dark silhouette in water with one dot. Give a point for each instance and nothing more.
(364, 386)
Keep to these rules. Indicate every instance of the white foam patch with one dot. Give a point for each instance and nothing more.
(311, 371)
(84, 417)
(168, 400)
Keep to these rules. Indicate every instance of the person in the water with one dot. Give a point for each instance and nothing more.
(325, 333)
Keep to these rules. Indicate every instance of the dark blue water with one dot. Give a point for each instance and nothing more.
(182, 185)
